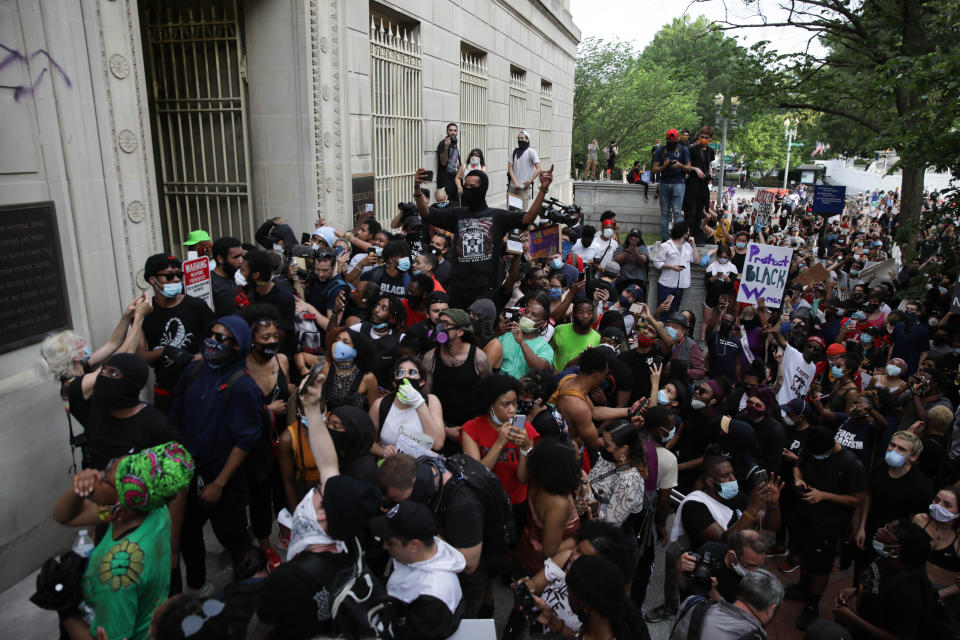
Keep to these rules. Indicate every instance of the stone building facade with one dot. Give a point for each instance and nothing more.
(140, 120)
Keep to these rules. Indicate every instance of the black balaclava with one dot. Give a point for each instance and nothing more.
(123, 392)
(476, 197)
(359, 436)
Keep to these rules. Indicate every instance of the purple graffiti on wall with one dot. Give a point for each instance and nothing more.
(15, 56)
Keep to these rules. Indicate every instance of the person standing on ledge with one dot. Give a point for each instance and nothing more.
(523, 167)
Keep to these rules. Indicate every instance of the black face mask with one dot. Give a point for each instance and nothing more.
(726, 327)
(606, 455)
(268, 349)
(116, 393)
(524, 407)
(523, 145)
(473, 198)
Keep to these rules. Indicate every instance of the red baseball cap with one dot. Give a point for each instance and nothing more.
(608, 223)
(817, 340)
(673, 134)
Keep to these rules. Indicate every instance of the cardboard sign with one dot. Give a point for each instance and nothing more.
(955, 300)
(545, 241)
(414, 443)
(766, 196)
(876, 270)
(828, 198)
(816, 273)
(196, 280)
(765, 273)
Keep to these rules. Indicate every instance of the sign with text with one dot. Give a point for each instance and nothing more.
(828, 198)
(196, 280)
(764, 274)
(545, 241)
(362, 186)
(33, 291)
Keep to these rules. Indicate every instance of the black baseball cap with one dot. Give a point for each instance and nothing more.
(408, 520)
(158, 262)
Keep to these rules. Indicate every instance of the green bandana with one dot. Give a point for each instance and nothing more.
(147, 480)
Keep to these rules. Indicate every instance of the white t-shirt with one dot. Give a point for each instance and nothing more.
(797, 375)
(587, 254)
(668, 253)
(604, 249)
(715, 268)
(667, 470)
(524, 166)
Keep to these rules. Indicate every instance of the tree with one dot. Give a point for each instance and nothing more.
(890, 67)
(698, 55)
(620, 96)
(761, 142)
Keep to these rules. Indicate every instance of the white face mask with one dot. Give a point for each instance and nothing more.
(722, 260)
(941, 514)
(607, 233)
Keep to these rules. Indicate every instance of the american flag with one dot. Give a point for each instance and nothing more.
(817, 149)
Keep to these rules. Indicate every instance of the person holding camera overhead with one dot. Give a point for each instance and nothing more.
(449, 164)
(672, 163)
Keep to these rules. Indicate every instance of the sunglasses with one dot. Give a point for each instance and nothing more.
(221, 337)
(170, 277)
(412, 372)
(191, 625)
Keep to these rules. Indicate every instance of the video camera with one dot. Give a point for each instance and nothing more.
(708, 566)
(407, 209)
(559, 213)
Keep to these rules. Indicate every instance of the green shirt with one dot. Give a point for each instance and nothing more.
(568, 344)
(127, 579)
(514, 363)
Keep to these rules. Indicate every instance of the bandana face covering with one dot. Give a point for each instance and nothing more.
(306, 531)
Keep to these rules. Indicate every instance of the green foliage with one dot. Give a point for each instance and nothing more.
(761, 142)
(620, 96)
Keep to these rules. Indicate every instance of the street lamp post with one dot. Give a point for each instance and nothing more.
(722, 120)
(789, 133)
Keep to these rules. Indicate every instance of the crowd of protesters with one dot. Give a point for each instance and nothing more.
(426, 411)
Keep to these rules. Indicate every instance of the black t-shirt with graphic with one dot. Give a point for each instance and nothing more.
(477, 243)
(183, 326)
(388, 284)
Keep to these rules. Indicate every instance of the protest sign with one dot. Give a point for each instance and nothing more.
(828, 198)
(545, 241)
(414, 443)
(876, 270)
(764, 274)
(816, 273)
(196, 280)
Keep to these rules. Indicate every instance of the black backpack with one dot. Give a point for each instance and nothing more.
(361, 607)
(499, 529)
(59, 583)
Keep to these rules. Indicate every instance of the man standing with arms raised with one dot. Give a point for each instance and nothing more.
(477, 232)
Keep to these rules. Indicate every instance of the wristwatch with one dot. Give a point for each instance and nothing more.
(526, 452)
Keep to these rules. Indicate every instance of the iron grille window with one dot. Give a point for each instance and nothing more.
(473, 102)
(546, 120)
(397, 107)
(518, 104)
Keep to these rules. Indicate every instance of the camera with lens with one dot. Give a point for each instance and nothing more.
(559, 213)
(708, 565)
(524, 614)
(407, 209)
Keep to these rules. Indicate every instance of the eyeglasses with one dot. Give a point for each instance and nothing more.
(412, 372)
(170, 277)
(191, 625)
(221, 337)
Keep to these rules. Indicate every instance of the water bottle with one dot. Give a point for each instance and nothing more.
(83, 545)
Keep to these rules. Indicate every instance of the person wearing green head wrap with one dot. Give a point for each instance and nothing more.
(128, 575)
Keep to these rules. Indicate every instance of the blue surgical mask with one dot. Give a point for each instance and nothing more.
(403, 264)
(172, 289)
(87, 352)
(741, 245)
(836, 372)
(662, 397)
(866, 338)
(556, 263)
(667, 438)
(895, 459)
(821, 456)
(495, 420)
(380, 325)
(882, 550)
(728, 490)
(415, 272)
(441, 205)
(893, 370)
(672, 332)
(343, 352)
(315, 246)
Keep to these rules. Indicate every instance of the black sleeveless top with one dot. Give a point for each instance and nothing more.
(456, 388)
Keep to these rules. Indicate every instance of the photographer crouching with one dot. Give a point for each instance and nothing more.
(716, 568)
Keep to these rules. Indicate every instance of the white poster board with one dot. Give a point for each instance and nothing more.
(196, 280)
(765, 273)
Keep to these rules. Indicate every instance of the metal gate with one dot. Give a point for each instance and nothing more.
(473, 102)
(197, 75)
(397, 115)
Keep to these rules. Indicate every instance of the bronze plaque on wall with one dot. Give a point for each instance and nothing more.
(33, 293)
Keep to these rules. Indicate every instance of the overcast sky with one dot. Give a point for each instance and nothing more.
(638, 21)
